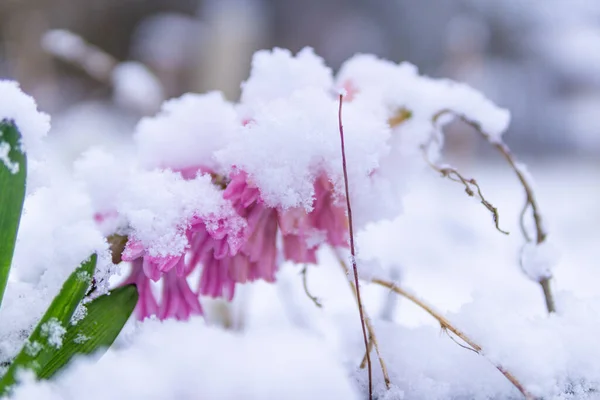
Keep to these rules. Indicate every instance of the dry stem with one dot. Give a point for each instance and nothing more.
(530, 200)
(372, 337)
(454, 175)
(446, 325)
(352, 250)
(305, 285)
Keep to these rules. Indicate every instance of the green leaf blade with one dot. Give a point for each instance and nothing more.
(13, 174)
(105, 318)
(47, 337)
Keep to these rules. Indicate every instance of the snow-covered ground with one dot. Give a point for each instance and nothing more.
(447, 251)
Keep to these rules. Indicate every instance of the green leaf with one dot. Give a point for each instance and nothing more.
(13, 172)
(105, 317)
(47, 337)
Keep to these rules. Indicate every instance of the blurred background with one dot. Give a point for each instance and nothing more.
(539, 59)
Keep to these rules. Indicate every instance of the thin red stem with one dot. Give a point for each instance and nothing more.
(352, 251)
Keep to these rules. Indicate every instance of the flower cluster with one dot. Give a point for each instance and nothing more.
(232, 190)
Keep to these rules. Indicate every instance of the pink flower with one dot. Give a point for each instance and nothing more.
(230, 252)
(147, 305)
(178, 300)
(328, 215)
(154, 266)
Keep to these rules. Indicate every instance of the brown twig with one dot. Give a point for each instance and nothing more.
(446, 325)
(305, 285)
(372, 337)
(454, 175)
(352, 250)
(530, 199)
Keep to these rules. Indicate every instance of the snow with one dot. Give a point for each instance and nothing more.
(400, 86)
(538, 260)
(187, 132)
(12, 166)
(136, 88)
(277, 74)
(21, 108)
(156, 205)
(256, 365)
(291, 141)
(54, 332)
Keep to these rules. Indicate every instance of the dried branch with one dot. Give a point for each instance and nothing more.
(447, 325)
(305, 285)
(454, 175)
(352, 250)
(530, 199)
(372, 337)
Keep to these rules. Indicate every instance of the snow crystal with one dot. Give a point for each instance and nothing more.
(33, 348)
(187, 132)
(538, 260)
(22, 109)
(54, 332)
(80, 338)
(136, 88)
(79, 314)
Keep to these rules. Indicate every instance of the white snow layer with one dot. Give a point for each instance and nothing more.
(22, 109)
(174, 360)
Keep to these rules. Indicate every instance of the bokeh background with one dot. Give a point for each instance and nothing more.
(540, 59)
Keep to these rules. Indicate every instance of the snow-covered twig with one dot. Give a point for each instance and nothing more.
(447, 325)
(530, 201)
(352, 250)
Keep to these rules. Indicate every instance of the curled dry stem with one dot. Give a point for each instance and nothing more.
(472, 188)
(352, 249)
(447, 326)
(530, 199)
(372, 337)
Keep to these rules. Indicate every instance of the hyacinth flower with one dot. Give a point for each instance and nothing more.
(223, 266)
